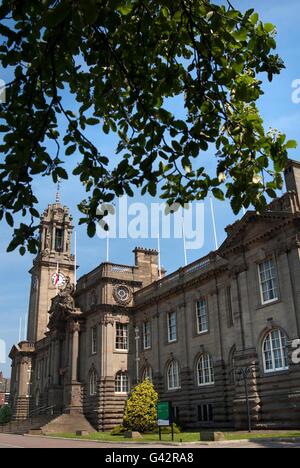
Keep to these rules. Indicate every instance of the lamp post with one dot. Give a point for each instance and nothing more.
(242, 374)
(137, 356)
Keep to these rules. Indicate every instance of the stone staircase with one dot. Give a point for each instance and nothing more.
(48, 424)
(27, 426)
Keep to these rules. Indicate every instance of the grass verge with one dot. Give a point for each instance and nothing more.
(184, 437)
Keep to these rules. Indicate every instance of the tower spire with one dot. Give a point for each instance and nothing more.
(58, 195)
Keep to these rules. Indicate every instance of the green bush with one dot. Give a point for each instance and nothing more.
(6, 414)
(118, 430)
(140, 412)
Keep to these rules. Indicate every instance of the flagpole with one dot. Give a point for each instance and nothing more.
(159, 255)
(57, 277)
(107, 246)
(184, 241)
(25, 327)
(214, 222)
(20, 330)
(75, 259)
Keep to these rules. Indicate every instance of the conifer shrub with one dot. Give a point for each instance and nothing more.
(140, 412)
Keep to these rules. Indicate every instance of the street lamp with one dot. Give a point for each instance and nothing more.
(137, 356)
(242, 374)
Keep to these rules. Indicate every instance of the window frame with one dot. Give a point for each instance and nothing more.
(119, 338)
(122, 376)
(148, 369)
(59, 239)
(284, 358)
(93, 384)
(274, 280)
(198, 316)
(147, 335)
(169, 325)
(94, 340)
(209, 409)
(210, 368)
(172, 365)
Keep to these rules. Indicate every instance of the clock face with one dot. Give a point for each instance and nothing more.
(58, 280)
(122, 294)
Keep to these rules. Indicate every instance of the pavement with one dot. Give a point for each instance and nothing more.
(18, 441)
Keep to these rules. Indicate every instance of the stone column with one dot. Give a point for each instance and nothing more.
(53, 236)
(73, 391)
(75, 351)
(56, 362)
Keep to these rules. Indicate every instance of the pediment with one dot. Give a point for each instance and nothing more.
(253, 227)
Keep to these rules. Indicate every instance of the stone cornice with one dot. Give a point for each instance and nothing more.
(234, 243)
(112, 308)
(181, 287)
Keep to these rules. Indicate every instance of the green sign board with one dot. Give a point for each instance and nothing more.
(164, 414)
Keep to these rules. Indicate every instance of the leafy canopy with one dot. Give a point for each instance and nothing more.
(140, 413)
(128, 64)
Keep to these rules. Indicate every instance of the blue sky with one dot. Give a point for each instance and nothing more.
(278, 111)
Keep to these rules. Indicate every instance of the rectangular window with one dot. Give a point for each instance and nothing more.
(59, 240)
(268, 281)
(147, 335)
(122, 336)
(205, 413)
(202, 317)
(172, 327)
(94, 340)
(230, 322)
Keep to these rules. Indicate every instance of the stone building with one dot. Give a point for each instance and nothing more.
(4, 390)
(190, 332)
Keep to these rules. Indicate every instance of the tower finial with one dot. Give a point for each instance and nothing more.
(58, 197)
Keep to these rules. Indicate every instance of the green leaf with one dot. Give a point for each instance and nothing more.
(218, 194)
(91, 230)
(62, 173)
(291, 144)
(92, 121)
(269, 27)
(71, 150)
(9, 219)
(125, 9)
(165, 11)
(254, 18)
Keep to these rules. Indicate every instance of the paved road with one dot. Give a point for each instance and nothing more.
(16, 441)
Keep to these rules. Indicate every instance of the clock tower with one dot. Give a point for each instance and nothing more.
(53, 264)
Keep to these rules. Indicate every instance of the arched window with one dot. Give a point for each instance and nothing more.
(148, 373)
(275, 352)
(173, 375)
(122, 383)
(205, 371)
(93, 383)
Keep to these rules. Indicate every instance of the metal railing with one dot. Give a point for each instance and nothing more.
(20, 424)
(184, 273)
(42, 411)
